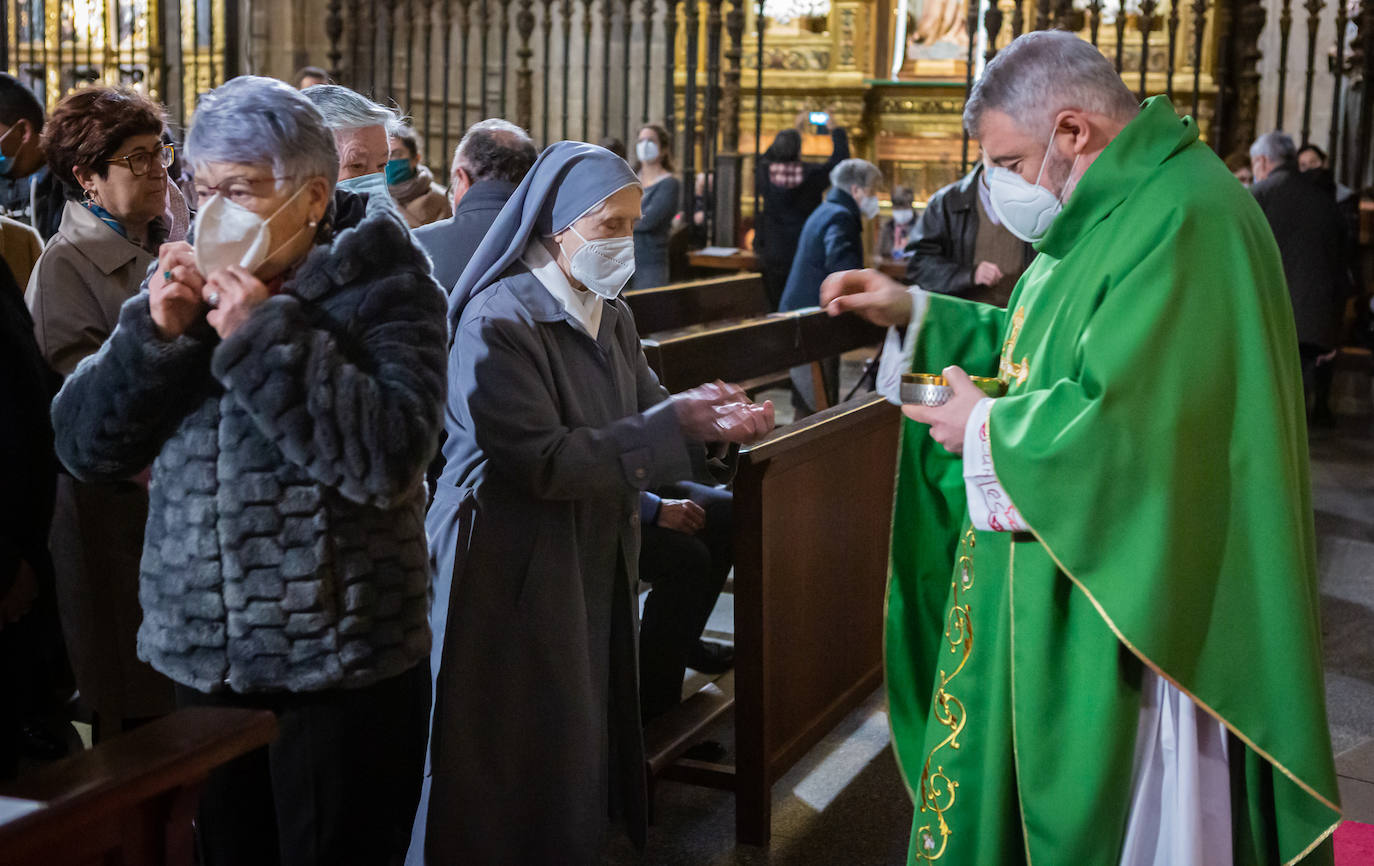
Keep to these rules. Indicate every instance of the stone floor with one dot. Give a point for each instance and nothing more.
(844, 803)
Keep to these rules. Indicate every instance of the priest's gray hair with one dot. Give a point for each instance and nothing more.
(855, 172)
(1043, 73)
(262, 121)
(345, 109)
(1277, 147)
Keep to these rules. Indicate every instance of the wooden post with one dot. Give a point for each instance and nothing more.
(729, 163)
(1120, 36)
(760, 23)
(429, 79)
(607, 18)
(1285, 28)
(712, 119)
(333, 29)
(1314, 8)
(968, 75)
(486, 45)
(627, 34)
(689, 107)
(586, 70)
(1333, 140)
(446, 28)
(408, 14)
(992, 25)
(1018, 18)
(648, 12)
(1146, 21)
(390, 48)
(1171, 64)
(567, 12)
(546, 29)
(669, 69)
(464, 32)
(1199, 31)
(355, 30)
(1094, 20)
(1360, 171)
(524, 79)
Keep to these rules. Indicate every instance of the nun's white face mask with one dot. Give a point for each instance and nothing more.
(604, 264)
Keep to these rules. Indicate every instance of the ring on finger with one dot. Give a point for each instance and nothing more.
(167, 276)
(212, 299)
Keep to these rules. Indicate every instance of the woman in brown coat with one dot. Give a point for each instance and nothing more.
(105, 145)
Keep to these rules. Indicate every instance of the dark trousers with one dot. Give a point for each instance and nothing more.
(339, 785)
(687, 573)
(1316, 379)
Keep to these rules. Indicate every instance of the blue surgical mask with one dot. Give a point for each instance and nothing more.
(366, 184)
(6, 162)
(398, 171)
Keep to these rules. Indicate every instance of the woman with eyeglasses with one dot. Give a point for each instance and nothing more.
(285, 378)
(105, 146)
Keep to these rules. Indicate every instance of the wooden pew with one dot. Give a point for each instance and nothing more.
(813, 509)
(753, 351)
(129, 801)
(665, 308)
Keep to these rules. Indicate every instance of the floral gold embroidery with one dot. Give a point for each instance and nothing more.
(938, 790)
(1009, 371)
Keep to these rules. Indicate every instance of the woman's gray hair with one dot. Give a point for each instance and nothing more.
(855, 172)
(254, 121)
(1277, 147)
(346, 109)
(1042, 73)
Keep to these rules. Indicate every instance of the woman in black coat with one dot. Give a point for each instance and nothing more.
(789, 190)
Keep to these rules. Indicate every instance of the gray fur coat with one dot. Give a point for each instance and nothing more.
(285, 546)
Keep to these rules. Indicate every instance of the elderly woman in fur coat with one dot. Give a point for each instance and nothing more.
(287, 377)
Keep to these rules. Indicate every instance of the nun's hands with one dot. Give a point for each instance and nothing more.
(174, 292)
(234, 293)
(717, 412)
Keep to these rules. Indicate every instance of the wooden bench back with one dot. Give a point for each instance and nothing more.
(665, 308)
(747, 349)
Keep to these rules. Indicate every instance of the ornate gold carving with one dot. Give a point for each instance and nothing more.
(1010, 371)
(938, 790)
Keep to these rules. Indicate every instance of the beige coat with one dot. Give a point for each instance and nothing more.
(80, 281)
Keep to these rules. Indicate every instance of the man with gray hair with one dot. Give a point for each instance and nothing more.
(360, 135)
(831, 240)
(1103, 626)
(489, 162)
(1311, 233)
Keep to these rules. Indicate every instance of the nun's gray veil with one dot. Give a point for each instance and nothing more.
(568, 179)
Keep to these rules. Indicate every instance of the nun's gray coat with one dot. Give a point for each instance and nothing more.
(536, 738)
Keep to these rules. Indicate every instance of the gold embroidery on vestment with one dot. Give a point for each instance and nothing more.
(937, 789)
(1009, 371)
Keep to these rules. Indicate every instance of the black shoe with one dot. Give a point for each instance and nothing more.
(709, 657)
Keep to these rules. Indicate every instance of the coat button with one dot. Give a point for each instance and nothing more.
(641, 473)
(634, 519)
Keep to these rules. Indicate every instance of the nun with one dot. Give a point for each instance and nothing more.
(555, 426)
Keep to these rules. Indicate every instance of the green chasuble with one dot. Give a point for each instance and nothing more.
(1152, 437)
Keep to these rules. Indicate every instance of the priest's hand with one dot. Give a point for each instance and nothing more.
(947, 422)
(872, 294)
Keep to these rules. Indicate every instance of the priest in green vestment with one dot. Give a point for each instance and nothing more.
(1102, 638)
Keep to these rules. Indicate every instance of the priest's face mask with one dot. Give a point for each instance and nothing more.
(1046, 161)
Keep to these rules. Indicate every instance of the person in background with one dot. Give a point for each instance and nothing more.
(662, 194)
(789, 190)
(20, 247)
(106, 145)
(831, 241)
(1239, 164)
(697, 225)
(286, 380)
(614, 145)
(556, 425)
(685, 553)
(420, 199)
(360, 136)
(309, 76)
(29, 632)
(960, 246)
(892, 237)
(493, 156)
(1311, 234)
(28, 189)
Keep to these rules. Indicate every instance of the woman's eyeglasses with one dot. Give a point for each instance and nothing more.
(141, 161)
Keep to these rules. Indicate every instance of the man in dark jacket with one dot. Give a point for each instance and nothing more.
(789, 190)
(28, 189)
(831, 241)
(492, 158)
(1311, 234)
(960, 248)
